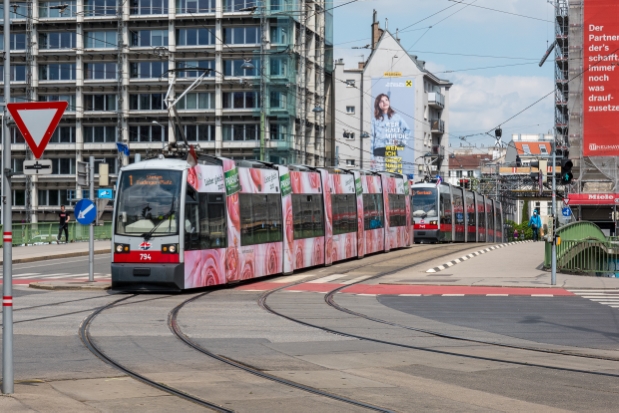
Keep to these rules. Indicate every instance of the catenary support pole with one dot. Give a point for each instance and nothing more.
(553, 240)
(7, 228)
(91, 227)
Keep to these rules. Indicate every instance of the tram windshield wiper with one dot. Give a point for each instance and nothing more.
(148, 235)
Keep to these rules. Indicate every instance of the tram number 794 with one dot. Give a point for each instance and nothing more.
(145, 257)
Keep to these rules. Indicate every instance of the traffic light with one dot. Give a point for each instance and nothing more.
(465, 183)
(566, 170)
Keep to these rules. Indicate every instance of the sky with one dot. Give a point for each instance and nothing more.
(499, 77)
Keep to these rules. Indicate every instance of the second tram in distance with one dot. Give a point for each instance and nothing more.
(178, 226)
(447, 213)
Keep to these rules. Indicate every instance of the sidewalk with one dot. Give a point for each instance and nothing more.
(54, 251)
(518, 265)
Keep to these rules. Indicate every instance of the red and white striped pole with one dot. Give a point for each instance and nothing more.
(7, 216)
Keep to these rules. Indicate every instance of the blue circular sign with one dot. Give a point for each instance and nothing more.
(85, 212)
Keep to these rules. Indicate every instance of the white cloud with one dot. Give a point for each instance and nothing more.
(479, 103)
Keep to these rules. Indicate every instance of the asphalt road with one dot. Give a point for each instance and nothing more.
(64, 268)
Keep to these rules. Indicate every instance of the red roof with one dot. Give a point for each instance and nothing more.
(532, 148)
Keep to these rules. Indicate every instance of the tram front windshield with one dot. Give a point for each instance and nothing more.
(424, 202)
(148, 203)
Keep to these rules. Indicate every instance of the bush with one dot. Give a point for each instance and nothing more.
(522, 229)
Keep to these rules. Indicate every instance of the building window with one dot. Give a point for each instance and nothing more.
(45, 12)
(63, 166)
(18, 165)
(195, 37)
(101, 40)
(233, 68)
(145, 7)
(470, 174)
(240, 132)
(277, 100)
(100, 8)
(99, 134)
(63, 134)
(542, 149)
(349, 135)
(200, 133)
(18, 73)
(350, 110)
(279, 66)
(146, 101)
(19, 197)
(195, 6)
(240, 100)
(458, 174)
(100, 102)
(242, 35)
(350, 162)
(238, 5)
(148, 70)
(148, 38)
(192, 101)
(56, 71)
(100, 70)
(190, 64)
(16, 11)
(350, 83)
(526, 149)
(18, 41)
(147, 133)
(70, 99)
(57, 40)
(278, 132)
(279, 34)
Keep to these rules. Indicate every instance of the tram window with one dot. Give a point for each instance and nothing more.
(373, 215)
(344, 217)
(458, 209)
(261, 218)
(397, 210)
(445, 209)
(307, 211)
(213, 227)
(470, 207)
(192, 219)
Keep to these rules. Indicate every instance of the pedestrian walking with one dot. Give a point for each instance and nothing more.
(535, 223)
(516, 234)
(64, 218)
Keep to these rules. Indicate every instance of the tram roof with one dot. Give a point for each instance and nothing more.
(158, 163)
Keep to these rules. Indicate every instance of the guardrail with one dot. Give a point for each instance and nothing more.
(584, 249)
(46, 232)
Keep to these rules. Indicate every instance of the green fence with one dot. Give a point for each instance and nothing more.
(584, 249)
(46, 232)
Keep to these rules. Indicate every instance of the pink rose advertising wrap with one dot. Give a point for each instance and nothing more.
(395, 237)
(344, 245)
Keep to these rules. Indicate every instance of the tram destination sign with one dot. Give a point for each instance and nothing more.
(601, 78)
(38, 167)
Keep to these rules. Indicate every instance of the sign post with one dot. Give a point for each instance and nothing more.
(7, 215)
(85, 214)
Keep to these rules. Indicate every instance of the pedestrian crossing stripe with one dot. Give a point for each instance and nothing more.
(609, 298)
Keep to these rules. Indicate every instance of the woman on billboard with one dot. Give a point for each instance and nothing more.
(388, 130)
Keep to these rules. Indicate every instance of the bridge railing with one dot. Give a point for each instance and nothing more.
(46, 232)
(584, 249)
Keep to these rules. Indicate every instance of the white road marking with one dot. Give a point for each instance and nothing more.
(328, 278)
(291, 278)
(542, 295)
(452, 295)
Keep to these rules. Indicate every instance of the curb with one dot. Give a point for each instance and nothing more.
(471, 255)
(57, 256)
(71, 286)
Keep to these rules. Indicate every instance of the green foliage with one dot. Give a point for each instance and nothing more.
(525, 212)
(522, 229)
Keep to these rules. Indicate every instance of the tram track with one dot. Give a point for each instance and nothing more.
(262, 302)
(84, 333)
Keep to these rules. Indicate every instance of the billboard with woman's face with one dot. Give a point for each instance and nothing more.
(393, 109)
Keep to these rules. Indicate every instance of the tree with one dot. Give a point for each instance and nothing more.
(525, 212)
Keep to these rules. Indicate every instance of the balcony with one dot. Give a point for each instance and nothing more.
(436, 100)
(437, 126)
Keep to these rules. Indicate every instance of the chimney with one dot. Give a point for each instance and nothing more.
(361, 65)
(376, 31)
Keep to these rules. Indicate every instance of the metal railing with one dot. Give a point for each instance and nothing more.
(46, 232)
(584, 249)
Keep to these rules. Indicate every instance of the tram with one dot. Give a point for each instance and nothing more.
(179, 226)
(447, 213)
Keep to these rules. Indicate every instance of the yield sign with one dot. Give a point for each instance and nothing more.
(37, 122)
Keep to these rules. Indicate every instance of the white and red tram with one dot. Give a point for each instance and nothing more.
(179, 227)
(447, 213)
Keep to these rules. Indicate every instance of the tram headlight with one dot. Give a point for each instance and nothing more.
(121, 248)
(169, 248)
(433, 222)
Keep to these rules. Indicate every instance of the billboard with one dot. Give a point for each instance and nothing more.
(601, 78)
(392, 115)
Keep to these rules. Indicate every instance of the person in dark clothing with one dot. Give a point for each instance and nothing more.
(63, 224)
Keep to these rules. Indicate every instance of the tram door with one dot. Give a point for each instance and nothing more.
(458, 214)
(471, 217)
(480, 202)
(446, 232)
(489, 220)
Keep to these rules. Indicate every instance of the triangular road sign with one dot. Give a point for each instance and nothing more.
(37, 122)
